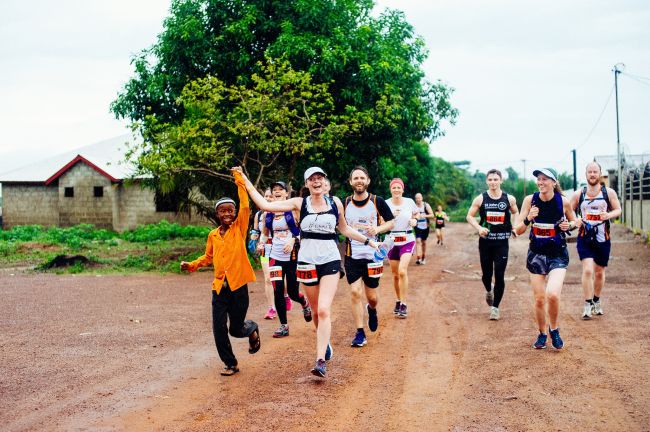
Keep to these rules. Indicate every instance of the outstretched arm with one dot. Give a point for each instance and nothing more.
(263, 204)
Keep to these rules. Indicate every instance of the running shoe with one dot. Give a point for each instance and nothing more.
(271, 314)
(494, 314)
(586, 311)
(359, 339)
(306, 311)
(287, 301)
(373, 322)
(329, 352)
(597, 308)
(397, 305)
(418, 262)
(403, 313)
(556, 340)
(423, 261)
(320, 369)
(540, 343)
(489, 297)
(282, 331)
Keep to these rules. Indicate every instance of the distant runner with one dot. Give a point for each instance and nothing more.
(422, 229)
(440, 218)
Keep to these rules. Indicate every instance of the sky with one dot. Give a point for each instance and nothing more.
(532, 79)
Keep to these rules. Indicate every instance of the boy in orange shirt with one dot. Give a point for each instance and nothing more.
(226, 250)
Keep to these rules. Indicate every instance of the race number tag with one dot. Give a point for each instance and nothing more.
(275, 273)
(440, 221)
(375, 269)
(593, 216)
(495, 218)
(400, 239)
(542, 230)
(306, 273)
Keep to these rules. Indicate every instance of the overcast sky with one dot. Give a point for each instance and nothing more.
(531, 78)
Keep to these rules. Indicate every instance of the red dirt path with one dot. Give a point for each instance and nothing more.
(136, 353)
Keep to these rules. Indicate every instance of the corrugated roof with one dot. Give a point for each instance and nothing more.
(106, 155)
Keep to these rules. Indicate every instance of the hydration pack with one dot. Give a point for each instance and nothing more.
(558, 239)
(291, 222)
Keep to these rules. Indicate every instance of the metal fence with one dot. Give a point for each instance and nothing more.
(635, 200)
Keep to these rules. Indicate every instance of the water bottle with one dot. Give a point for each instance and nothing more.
(252, 242)
(384, 247)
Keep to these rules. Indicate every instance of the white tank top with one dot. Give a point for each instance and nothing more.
(315, 251)
(423, 223)
(591, 208)
(361, 218)
(281, 234)
(402, 231)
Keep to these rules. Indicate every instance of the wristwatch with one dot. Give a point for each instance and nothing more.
(366, 242)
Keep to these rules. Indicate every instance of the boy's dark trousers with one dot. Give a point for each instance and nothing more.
(233, 305)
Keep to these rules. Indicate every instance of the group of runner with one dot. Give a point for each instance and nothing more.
(298, 238)
(551, 216)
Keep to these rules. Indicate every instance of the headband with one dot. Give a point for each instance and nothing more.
(398, 181)
(224, 200)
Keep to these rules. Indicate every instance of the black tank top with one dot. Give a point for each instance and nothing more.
(552, 240)
(495, 216)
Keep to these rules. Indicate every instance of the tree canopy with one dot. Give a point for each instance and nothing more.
(281, 85)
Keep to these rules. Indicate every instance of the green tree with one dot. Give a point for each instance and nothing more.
(381, 104)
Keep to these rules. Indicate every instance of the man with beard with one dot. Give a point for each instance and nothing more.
(596, 205)
(370, 215)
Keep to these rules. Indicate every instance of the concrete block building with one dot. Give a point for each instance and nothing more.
(92, 185)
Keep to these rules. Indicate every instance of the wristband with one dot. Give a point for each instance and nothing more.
(366, 242)
(526, 221)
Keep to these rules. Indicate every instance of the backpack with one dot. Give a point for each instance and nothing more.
(588, 232)
(291, 222)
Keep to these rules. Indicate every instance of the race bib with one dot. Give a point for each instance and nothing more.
(375, 269)
(306, 273)
(593, 216)
(495, 218)
(275, 273)
(542, 230)
(400, 239)
(440, 221)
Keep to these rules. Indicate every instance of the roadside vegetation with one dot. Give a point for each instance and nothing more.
(157, 247)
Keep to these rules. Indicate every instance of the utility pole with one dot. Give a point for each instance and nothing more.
(523, 177)
(575, 171)
(618, 68)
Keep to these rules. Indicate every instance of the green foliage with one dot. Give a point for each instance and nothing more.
(224, 82)
(164, 230)
(7, 248)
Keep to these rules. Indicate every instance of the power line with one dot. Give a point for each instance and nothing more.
(597, 121)
(635, 76)
(638, 80)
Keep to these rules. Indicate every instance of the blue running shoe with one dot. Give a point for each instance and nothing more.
(556, 340)
(540, 343)
(373, 322)
(329, 352)
(359, 339)
(320, 369)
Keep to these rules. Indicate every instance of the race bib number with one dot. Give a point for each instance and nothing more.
(542, 230)
(306, 273)
(400, 239)
(275, 273)
(375, 269)
(440, 221)
(593, 216)
(495, 218)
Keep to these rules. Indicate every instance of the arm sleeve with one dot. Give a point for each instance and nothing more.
(244, 207)
(384, 211)
(204, 259)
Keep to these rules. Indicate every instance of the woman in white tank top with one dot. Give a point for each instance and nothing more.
(318, 257)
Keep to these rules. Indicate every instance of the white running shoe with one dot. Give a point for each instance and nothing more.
(597, 308)
(494, 313)
(586, 312)
(423, 261)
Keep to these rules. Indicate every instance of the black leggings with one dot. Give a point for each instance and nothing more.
(288, 275)
(494, 260)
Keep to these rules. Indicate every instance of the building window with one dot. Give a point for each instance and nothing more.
(68, 192)
(99, 191)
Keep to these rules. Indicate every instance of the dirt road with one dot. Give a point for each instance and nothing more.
(136, 353)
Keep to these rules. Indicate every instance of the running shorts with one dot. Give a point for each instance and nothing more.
(358, 268)
(543, 264)
(599, 251)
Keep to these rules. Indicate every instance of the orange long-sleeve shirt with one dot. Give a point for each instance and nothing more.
(228, 253)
